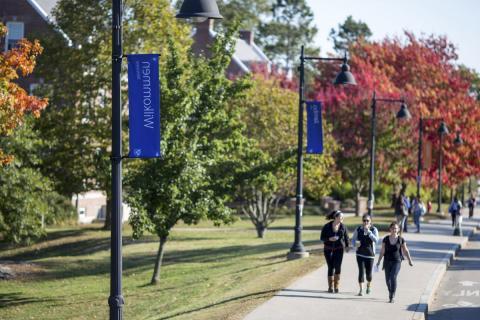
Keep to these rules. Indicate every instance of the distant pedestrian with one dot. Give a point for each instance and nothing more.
(401, 209)
(335, 239)
(418, 211)
(394, 249)
(471, 206)
(454, 210)
(367, 235)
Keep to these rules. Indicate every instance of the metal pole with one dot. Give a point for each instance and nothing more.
(116, 301)
(419, 163)
(371, 196)
(440, 156)
(297, 249)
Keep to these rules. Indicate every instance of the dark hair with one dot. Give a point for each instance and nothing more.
(334, 214)
(394, 223)
(366, 215)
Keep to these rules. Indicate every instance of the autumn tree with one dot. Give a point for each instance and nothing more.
(424, 72)
(15, 102)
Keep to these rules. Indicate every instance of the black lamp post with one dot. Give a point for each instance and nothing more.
(420, 149)
(403, 113)
(196, 9)
(442, 130)
(344, 77)
(457, 231)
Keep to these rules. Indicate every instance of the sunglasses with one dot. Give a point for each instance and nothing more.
(366, 220)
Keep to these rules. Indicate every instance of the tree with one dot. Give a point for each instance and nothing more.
(246, 12)
(267, 176)
(348, 33)
(424, 72)
(291, 25)
(15, 103)
(23, 218)
(200, 137)
(78, 83)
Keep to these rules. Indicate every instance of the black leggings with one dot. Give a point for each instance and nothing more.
(365, 265)
(334, 261)
(391, 271)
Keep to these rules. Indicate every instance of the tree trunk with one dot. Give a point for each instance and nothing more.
(357, 204)
(261, 231)
(108, 215)
(158, 261)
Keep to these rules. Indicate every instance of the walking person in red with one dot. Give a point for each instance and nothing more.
(367, 235)
(335, 239)
(394, 249)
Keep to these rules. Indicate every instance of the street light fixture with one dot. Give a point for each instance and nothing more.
(344, 77)
(404, 114)
(458, 139)
(203, 9)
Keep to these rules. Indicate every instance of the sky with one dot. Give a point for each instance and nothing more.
(459, 20)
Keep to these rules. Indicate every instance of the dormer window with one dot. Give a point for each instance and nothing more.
(15, 32)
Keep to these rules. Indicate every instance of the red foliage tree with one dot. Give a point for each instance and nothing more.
(425, 73)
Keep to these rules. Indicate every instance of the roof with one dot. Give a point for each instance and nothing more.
(44, 8)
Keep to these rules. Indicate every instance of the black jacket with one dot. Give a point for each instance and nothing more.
(342, 233)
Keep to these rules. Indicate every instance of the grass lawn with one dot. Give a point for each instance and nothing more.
(208, 273)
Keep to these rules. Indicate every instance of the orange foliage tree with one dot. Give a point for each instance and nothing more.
(15, 102)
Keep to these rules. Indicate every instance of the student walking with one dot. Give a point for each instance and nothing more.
(454, 210)
(471, 206)
(418, 211)
(402, 204)
(394, 249)
(367, 235)
(335, 239)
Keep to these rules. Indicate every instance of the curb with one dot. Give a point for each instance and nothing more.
(421, 312)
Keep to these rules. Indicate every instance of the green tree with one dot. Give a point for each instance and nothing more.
(290, 26)
(247, 12)
(200, 136)
(349, 32)
(269, 168)
(78, 83)
(23, 218)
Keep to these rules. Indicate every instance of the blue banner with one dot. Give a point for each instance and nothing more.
(314, 127)
(144, 105)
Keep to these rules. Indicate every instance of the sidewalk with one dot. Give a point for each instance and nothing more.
(431, 250)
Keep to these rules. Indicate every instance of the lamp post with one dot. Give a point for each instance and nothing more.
(403, 113)
(457, 231)
(442, 130)
(344, 77)
(195, 9)
(421, 123)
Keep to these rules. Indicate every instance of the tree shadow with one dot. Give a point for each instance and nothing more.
(15, 299)
(463, 313)
(249, 297)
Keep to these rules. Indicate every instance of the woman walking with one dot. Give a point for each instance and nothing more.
(335, 239)
(367, 235)
(418, 212)
(394, 248)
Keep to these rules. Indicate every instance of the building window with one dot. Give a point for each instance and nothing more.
(15, 32)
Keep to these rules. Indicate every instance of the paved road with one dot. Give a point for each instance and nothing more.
(458, 296)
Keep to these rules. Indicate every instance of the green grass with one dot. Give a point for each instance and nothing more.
(208, 273)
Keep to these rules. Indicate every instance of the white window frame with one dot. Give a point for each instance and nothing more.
(21, 32)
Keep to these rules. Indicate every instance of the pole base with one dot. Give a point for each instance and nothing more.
(297, 255)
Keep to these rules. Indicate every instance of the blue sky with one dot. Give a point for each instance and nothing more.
(459, 20)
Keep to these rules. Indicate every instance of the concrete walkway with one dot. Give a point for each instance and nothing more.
(432, 250)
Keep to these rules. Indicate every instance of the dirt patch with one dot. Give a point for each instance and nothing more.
(14, 270)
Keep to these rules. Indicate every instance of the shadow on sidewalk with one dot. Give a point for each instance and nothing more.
(460, 313)
(323, 294)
